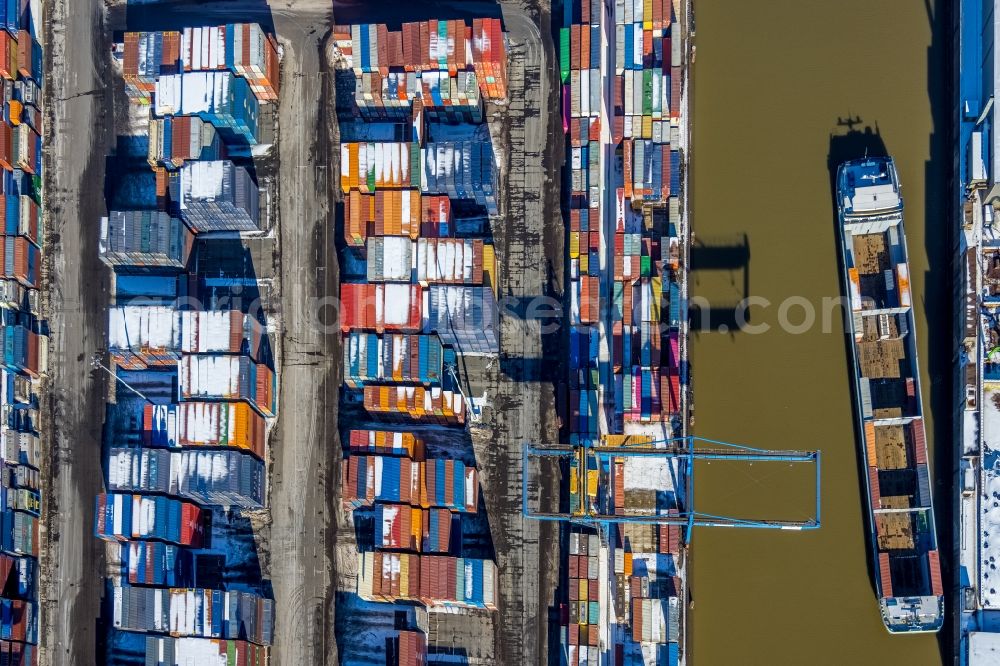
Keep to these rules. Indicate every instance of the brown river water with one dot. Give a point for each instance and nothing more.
(770, 81)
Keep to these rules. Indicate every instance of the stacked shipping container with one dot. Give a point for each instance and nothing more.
(242, 48)
(434, 580)
(427, 48)
(194, 612)
(176, 461)
(427, 290)
(447, 484)
(21, 332)
(624, 271)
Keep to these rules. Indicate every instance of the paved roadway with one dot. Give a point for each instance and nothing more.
(304, 449)
(529, 244)
(79, 135)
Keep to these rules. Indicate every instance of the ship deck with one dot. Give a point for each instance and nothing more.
(879, 272)
(889, 411)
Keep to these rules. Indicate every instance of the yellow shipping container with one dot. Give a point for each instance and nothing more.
(353, 166)
(490, 267)
(656, 298)
(574, 244)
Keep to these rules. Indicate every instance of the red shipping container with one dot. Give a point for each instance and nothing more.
(24, 53)
(873, 484)
(934, 564)
(574, 47)
(885, 574)
(675, 92)
(919, 441)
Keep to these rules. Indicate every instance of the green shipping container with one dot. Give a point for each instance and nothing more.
(415, 171)
(647, 92)
(645, 266)
(564, 64)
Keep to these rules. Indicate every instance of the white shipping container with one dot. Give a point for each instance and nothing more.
(657, 79)
(619, 47)
(138, 327)
(629, 84)
(574, 93)
(595, 92)
(637, 46)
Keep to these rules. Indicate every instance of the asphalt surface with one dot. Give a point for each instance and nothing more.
(305, 448)
(529, 250)
(78, 136)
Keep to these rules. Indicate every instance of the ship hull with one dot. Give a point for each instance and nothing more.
(888, 415)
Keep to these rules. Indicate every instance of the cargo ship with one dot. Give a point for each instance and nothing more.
(888, 411)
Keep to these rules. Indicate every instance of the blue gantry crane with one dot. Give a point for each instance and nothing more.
(594, 483)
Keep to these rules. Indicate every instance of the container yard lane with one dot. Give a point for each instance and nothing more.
(79, 96)
(530, 250)
(305, 471)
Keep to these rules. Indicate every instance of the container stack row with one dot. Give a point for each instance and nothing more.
(645, 587)
(581, 614)
(425, 49)
(243, 49)
(645, 314)
(644, 300)
(441, 483)
(433, 580)
(420, 183)
(582, 84)
(22, 332)
(186, 424)
(140, 336)
(172, 651)
(369, 358)
(194, 612)
(621, 64)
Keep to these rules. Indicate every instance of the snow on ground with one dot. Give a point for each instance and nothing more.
(647, 473)
(984, 648)
(970, 432)
(989, 506)
(991, 417)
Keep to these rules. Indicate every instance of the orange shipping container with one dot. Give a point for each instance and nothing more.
(24, 53)
(8, 69)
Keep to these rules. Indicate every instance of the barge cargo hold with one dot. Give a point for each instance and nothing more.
(887, 401)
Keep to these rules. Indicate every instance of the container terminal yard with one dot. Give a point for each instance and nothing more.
(358, 333)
